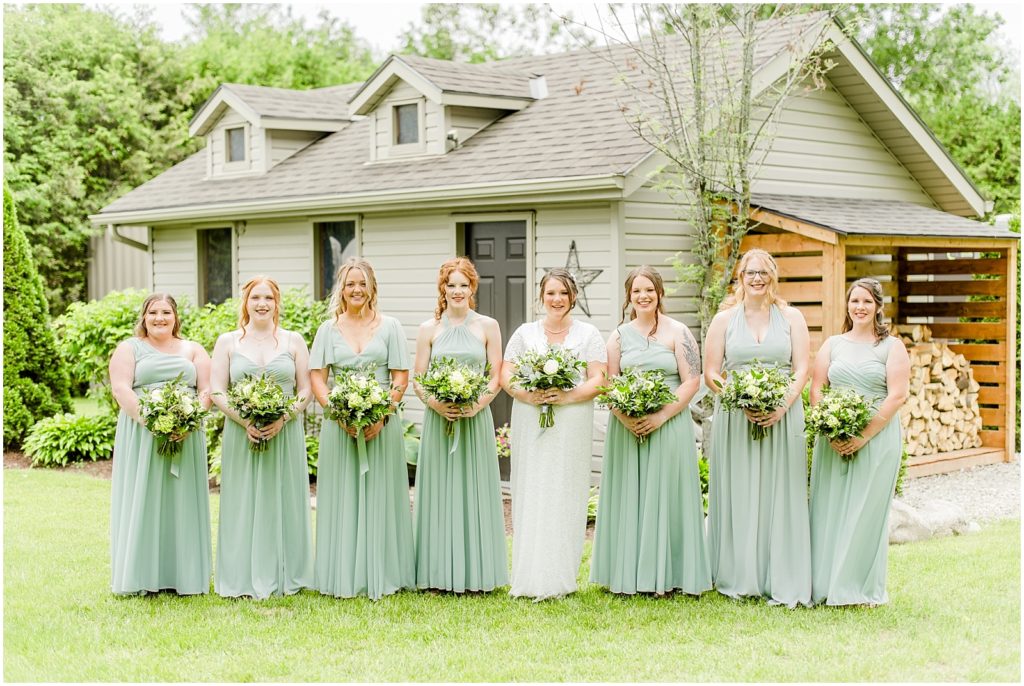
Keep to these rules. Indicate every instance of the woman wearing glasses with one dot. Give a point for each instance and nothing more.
(758, 532)
(852, 481)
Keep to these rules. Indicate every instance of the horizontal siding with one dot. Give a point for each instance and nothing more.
(280, 249)
(254, 152)
(469, 120)
(175, 263)
(284, 144)
(820, 146)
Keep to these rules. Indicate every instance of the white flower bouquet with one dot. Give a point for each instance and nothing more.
(358, 400)
(169, 412)
(636, 392)
(840, 414)
(556, 367)
(758, 388)
(449, 381)
(260, 400)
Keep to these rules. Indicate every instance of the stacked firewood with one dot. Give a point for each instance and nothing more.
(941, 413)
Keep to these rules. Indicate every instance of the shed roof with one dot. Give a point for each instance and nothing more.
(876, 217)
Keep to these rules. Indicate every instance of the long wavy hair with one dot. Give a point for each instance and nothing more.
(456, 264)
(739, 293)
(243, 310)
(565, 277)
(337, 305)
(659, 288)
(140, 326)
(873, 287)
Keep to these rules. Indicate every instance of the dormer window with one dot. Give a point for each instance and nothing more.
(235, 144)
(407, 124)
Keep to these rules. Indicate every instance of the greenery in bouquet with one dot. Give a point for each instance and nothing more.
(759, 388)
(170, 412)
(259, 400)
(358, 399)
(556, 367)
(636, 393)
(450, 381)
(840, 414)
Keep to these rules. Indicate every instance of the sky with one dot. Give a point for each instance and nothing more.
(380, 23)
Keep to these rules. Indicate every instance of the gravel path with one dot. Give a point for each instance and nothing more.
(985, 493)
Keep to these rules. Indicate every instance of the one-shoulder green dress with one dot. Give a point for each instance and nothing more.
(363, 522)
(460, 524)
(649, 535)
(850, 500)
(265, 536)
(160, 506)
(758, 532)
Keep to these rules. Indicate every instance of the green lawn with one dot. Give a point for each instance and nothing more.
(954, 616)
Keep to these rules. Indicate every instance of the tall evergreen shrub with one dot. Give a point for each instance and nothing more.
(35, 379)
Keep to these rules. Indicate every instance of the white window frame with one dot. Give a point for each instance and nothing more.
(417, 148)
(245, 165)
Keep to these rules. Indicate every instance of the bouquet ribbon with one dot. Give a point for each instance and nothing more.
(175, 464)
(364, 464)
(456, 426)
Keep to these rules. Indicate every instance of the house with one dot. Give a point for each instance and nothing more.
(527, 164)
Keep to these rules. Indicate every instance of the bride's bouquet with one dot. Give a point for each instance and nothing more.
(840, 414)
(636, 392)
(260, 400)
(556, 367)
(758, 388)
(449, 381)
(358, 399)
(170, 411)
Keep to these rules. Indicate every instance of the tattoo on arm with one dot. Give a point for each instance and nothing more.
(691, 351)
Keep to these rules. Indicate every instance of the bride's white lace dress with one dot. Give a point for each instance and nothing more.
(550, 475)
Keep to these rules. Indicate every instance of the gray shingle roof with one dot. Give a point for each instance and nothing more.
(489, 78)
(318, 103)
(876, 217)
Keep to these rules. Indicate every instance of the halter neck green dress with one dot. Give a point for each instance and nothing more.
(649, 535)
(460, 524)
(363, 524)
(850, 500)
(758, 531)
(159, 521)
(265, 536)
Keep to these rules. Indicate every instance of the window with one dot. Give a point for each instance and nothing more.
(407, 124)
(214, 265)
(335, 243)
(236, 145)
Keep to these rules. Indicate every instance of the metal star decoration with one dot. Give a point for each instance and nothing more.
(583, 277)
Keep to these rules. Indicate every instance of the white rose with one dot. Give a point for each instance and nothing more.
(550, 367)
(457, 378)
(157, 395)
(186, 402)
(375, 396)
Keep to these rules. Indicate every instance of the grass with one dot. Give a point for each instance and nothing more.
(954, 616)
(89, 407)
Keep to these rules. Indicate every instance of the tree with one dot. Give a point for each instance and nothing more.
(35, 380)
(474, 33)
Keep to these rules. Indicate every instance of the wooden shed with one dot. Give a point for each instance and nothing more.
(956, 275)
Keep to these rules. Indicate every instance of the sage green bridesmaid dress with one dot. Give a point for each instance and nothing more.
(649, 535)
(265, 536)
(364, 540)
(160, 506)
(460, 523)
(758, 531)
(850, 500)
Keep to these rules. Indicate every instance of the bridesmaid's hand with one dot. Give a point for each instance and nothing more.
(535, 398)
(471, 410)
(767, 419)
(373, 430)
(848, 446)
(253, 432)
(554, 396)
(449, 411)
(648, 424)
(271, 430)
(178, 437)
(350, 430)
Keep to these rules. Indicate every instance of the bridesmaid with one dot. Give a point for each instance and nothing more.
(265, 539)
(160, 507)
(551, 467)
(758, 531)
(650, 517)
(850, 499)
(363, 525)
(460, 524)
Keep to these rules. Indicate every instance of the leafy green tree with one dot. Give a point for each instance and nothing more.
(35, 380)
(483, 32)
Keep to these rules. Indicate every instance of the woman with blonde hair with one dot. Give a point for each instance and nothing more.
(853, 480)
(758, 532)
(265, 537)
(460, 524)
(650, 519)
(160, 506)
(551, 466)
(364, 542)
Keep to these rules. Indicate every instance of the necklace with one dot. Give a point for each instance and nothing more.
(555, 333)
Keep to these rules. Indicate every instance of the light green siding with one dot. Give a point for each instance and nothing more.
(280, 249)
(176, 262)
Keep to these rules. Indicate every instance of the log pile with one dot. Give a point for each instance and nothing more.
(941, 413)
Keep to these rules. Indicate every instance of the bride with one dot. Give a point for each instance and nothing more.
(551, 467)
